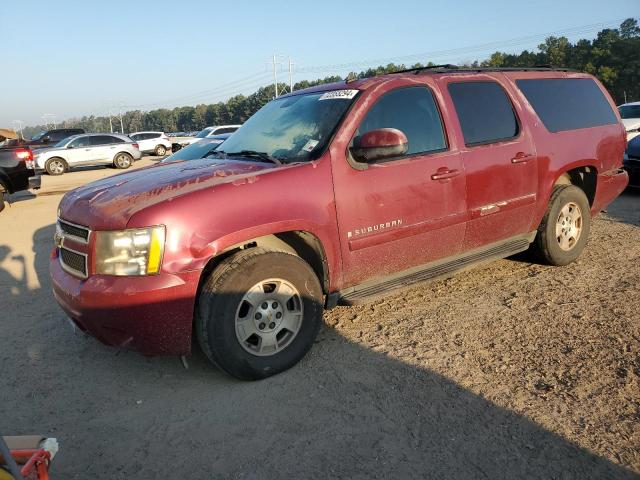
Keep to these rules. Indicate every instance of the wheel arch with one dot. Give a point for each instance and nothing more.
(584, 177)
(301, 243)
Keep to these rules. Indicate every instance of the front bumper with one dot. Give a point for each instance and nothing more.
(152, 315)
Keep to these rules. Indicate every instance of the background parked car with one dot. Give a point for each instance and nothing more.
(16, 171)
(204, 133)
(51, 137)
(199, 149)
(631, 162)
(152, 142)
(630, 113)
(88, 149)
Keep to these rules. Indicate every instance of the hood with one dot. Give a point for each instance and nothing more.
(108, 204)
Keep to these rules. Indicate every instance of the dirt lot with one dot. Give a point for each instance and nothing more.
(512, 370)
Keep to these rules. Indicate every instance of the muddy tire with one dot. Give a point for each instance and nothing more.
(56, 166)
(258, 313)
(564, 230)
(122, 160)
(160, 151)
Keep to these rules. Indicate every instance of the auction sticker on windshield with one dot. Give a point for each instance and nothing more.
(310, 145)
(339, 95)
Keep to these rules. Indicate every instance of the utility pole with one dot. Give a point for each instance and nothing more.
(110, 124)
(121, 125)
(19, 124)
(290, 75)
(275, 75)
(49, 119)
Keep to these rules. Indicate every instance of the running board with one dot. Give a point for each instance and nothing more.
(431, 271)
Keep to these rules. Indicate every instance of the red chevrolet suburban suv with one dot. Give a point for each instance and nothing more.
(336, 194)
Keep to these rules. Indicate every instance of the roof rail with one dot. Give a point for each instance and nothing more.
(456, 69)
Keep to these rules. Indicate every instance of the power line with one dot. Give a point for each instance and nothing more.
(203, 93)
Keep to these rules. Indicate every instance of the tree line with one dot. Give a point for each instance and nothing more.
(613, 56)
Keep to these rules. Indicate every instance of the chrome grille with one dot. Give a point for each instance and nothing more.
(73, 262)
(76, 231)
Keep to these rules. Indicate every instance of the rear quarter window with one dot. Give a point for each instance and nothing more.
(485, 112)
(568, 103)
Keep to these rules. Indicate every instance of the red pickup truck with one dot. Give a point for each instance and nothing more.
(336, 194)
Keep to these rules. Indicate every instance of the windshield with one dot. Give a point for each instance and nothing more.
(62, 142)
(204, 133)
(196, 150)
(630, 111)
(38, 136)
(292, 129)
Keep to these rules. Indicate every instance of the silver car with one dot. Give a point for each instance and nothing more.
(88, 149)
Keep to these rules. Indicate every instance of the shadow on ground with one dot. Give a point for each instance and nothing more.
(343, 412)
(626, 208)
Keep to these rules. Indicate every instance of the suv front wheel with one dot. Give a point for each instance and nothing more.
(259, 313)
(564, 230)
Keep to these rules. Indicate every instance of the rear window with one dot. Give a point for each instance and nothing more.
(568, 103)
(484, 111)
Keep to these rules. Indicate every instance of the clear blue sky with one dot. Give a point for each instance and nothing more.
(79, 57)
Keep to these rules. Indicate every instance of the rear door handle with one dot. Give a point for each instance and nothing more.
(444, 173)
(521, 158)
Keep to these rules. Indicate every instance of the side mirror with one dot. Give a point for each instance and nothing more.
(70, 146)
(45, 140)
(379, 144)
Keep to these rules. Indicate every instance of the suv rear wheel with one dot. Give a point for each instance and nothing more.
(258, 313)
(564, 230)
(122, 160)
(161, 150)
(55, 166)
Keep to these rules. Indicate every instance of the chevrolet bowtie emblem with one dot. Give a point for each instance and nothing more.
(58, 239)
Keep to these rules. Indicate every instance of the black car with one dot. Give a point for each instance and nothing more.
(631, 162)
(17, 171)
(51, 137)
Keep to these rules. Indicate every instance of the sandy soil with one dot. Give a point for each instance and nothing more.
(511, 370)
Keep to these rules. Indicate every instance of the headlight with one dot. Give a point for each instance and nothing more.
(130, 252)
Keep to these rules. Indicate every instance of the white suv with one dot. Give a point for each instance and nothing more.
(88, 149)
(152, 142)
(630, 114)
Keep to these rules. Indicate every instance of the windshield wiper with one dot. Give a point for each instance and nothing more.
(264, 156)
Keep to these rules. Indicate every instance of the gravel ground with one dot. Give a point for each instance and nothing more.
(510, 370)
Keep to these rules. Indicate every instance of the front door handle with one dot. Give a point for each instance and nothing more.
(521, 157)
(444, 173)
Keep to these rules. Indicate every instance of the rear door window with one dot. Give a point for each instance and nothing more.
(484, 111)
(413, 111)
(568, 103)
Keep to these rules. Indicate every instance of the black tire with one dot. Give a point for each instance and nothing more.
(122, 160)
(160, 151)
(220, 300)
(1, 200)
(52, 166)
(546, 244)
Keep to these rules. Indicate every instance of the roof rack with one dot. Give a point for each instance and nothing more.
(456, 69)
